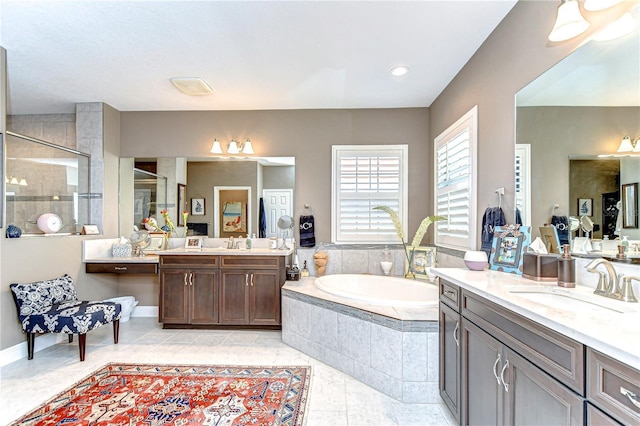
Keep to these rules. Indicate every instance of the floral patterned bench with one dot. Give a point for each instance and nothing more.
(52, 306)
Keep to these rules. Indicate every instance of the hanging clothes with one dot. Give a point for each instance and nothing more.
(562, 225)
(518, 217)
(493, 216)
(263, 220)
(307, 231)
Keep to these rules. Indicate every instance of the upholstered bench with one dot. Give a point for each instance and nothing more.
(52, 306)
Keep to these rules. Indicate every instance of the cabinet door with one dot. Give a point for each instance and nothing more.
(481, 388)
(532, 397)
(234, 293)
(174, 296)
(264, 298)
(450, 359)
(204, 297)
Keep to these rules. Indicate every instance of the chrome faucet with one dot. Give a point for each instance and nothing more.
(231, 245)
(627, 290)
(609, 286)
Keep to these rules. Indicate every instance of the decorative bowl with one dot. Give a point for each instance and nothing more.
(13, 231)
(475, 260)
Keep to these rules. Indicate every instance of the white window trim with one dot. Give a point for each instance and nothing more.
(404, 176)
(468, 120)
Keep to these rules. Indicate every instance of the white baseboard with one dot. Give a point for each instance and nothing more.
(145, 311)
(19, 351)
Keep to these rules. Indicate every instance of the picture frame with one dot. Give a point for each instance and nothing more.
(630, 205)
(419, 261)
(550, 238)
(508, 246)
(90, 230)
(181, 203)
(157, 241)
(585, 206)
(197, 207)
(193, 243)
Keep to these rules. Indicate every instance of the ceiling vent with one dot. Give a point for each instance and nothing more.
(192, 86)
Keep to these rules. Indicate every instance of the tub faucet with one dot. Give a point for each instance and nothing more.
(610, 287)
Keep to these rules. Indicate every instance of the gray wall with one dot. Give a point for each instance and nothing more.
(514, 54)
(305, 134)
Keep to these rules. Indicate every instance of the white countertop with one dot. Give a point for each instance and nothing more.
(221, 251)
(612, 333)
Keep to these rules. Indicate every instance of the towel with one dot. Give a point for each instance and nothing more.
(562, 225)
(493, 216)
(307, 231)
(263, 220)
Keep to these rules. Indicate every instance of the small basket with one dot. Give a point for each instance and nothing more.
(121, 250)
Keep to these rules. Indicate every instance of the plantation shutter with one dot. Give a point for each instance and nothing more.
(365, 177)
(455, 185)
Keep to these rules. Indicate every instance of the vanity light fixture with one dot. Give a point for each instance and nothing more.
(12, 180)
(621, 27)
(626, 145)
(569, 22)
(233, 147)
(594, 5)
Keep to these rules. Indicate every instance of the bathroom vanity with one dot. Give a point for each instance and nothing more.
(204, 289)
(513, 351)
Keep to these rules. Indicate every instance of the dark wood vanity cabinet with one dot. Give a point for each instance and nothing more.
(189, 290)
(497, 367)
(449, 347)
(202, 290)
(250, 290)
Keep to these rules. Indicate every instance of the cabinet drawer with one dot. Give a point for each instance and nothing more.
(558, 355)
(251, 262)
(121, 268)
(613, 387)
(595, 417)
(193, 261)
(450, 294)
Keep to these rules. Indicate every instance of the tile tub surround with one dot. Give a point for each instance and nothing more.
(354, 259)
(393, 350)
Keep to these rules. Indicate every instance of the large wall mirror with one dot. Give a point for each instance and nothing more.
(208, 189)
(569, 124)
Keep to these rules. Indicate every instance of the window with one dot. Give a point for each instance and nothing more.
(455, 177)
(363, 177)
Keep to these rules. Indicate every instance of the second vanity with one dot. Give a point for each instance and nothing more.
(514, 351)
(208, 287)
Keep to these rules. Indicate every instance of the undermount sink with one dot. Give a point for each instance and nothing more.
(572, 299)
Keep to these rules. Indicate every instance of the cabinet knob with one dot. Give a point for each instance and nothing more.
(119, 268)
(631, 395)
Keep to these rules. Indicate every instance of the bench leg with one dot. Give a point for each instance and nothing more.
(116, 331)
(82, 340)
(31, 339)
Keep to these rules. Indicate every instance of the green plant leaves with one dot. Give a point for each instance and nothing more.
(395, 219)
(422, 229)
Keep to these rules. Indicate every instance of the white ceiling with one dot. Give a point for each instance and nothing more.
(255, 55)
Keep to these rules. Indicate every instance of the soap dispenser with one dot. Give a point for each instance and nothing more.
(248, 242)
(566, 269)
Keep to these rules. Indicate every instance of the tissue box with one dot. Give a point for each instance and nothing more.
(121, 250)
(540, 267)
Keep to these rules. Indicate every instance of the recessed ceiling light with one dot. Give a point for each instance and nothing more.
(192, 86)
(399, 71)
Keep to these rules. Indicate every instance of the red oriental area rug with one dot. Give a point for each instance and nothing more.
(138, 394)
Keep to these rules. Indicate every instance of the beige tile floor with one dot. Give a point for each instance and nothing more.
(335, 399)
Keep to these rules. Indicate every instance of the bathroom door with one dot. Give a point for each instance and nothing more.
(277, 202)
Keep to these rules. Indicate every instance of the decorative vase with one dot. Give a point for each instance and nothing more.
(321, 258)
(13, 231)
(386, 263)
(410, 273)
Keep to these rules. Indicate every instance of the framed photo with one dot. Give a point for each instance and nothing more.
(420, 260)
(509, 243)
(90, 230)
(181, 203)
(157, 241)
(197, 207)
(193, 243)
(630, 205)
(585, 206)
(549, 235)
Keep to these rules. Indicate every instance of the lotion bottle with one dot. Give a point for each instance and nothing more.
(566, 268)
(248, 242)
